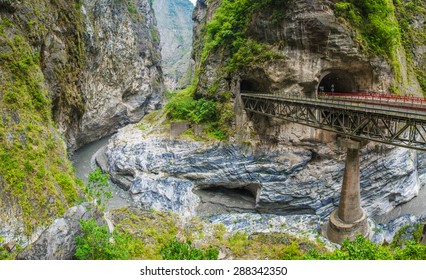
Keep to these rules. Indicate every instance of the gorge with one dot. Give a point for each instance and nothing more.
(95, 68)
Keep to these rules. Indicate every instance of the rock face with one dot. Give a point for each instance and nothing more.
(104, 70)
(68, 70)
(315, 46)
(175, 28)
(123, 77)
(40, 61)
(161, 173)
(57, 242)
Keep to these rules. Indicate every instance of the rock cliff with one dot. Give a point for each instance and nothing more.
(70, 73)
(122, 78)
(40, 64)
(281, 168)
(311, 42)
(175, 28)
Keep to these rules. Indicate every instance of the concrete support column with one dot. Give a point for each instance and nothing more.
(349, 219)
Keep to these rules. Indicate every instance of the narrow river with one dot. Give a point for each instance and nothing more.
(84, 163)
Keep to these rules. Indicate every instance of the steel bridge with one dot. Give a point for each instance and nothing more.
(385, 118)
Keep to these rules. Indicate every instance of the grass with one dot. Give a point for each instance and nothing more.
(159, 235)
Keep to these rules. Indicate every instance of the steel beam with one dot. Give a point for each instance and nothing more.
(389, 125)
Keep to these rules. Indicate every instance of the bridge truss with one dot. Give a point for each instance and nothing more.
(389, 122)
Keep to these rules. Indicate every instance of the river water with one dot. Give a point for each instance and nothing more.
(84, 163)
(416, 207)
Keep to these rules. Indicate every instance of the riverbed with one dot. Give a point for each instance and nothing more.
(84, 162)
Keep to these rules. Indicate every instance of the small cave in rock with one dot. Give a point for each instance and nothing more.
(226, 199)
(337, 81)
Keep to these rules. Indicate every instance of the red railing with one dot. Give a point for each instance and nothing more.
(386, 97)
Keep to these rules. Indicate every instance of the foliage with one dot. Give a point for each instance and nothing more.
(376, 21)
(97, 243)
(176, 250)
(414, 35)
(249, 52)
(97, 188)
(4, 254)
(272, 246)
(34, 169)
(364, 249)
(132, 7)
(36, 178)
(387, 28)
(183, 106)
(141, 234)
(227, 31)
(155, 35)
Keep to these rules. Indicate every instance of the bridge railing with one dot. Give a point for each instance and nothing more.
(398, 124)
(382, 106)
(386, 97)
(379, 97)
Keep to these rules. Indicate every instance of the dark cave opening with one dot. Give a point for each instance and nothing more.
(249, 85)
(337, 81)
(222, 199)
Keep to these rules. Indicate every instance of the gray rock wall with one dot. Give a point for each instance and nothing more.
(313, 42)
(123, 78)
(174, 18)
(162, 174)
(57, 242)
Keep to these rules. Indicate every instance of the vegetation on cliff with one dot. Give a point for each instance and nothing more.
(385, 28)
(410, 14)
(227, 32)
(214, 115)
(37, 182)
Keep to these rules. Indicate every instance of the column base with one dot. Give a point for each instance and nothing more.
(337, 230)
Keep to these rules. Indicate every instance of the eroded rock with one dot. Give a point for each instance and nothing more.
(285, 180)
(123, 77)
(57, 242)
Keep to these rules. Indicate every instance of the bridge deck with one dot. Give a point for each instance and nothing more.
(402, 110)
(394, 122)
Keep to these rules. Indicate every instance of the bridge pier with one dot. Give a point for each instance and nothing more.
(349, 219)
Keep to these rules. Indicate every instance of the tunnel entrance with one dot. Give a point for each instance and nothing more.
(337, 81)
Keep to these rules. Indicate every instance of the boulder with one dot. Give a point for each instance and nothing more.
(57, 242)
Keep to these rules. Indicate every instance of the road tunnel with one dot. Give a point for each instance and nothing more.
(337, 81)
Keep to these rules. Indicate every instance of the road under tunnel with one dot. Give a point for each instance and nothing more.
(337, 81)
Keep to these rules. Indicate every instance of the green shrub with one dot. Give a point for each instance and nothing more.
(402, 248)
(97, 188)
(97, 243)
(176, 250)
(204, 111)
(183, 106)
(4, 254)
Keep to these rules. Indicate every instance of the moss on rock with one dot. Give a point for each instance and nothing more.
(37, 179)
